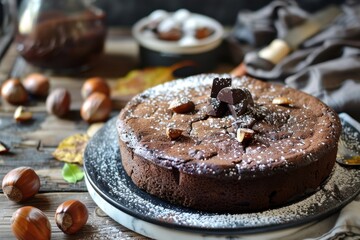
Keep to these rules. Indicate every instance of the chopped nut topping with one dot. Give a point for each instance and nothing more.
(182, 105)
(281, 101)
(243, 134)
(21, 115)
(173, 133)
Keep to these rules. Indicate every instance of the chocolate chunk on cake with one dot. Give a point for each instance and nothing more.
(235, 147)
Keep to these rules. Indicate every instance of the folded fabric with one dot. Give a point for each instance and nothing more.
(327, 65)
(347, 225)
(336, 82)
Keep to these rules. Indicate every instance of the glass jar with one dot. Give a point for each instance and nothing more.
(60, 34)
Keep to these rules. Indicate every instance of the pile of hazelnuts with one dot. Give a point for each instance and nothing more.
(95, 92)
(28, 222)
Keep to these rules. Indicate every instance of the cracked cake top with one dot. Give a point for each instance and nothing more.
(287, 127)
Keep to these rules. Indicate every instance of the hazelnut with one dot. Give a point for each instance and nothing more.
(96, 108)
(14, 92)
(172, 35)
(21, 115)
(21, 184)
(37, 85)
(30, 223)
(4, 148)
(173, 133)
(281, 101)
(182, 105)
(70, 216)
(203, 32)
(95, 84)
(58, 102)
(244, 134)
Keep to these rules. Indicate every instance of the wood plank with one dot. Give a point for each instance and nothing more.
(99, 225)
(48, 169)
(32, 145)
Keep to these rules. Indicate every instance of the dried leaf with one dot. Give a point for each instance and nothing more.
(137, 81)
(71, 149)
(72, 173)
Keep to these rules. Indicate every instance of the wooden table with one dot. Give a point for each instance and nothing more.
(32, 143)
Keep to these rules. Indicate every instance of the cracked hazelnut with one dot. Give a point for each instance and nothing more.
(182, 105)
(281, 101)
(95, 84)
(70, 216)
(173, 133)
(58, 102)
(4, 148)
(28, 223)
(96, 108)
(14, 92)
(22, 115)
(244, 134)
(37, 85)
(21, 184)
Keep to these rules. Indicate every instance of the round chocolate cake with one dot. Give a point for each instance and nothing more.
(221, 144)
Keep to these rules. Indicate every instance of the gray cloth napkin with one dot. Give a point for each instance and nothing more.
(326, 65)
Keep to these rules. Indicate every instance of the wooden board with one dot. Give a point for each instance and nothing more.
(31, 144)
(99, 225)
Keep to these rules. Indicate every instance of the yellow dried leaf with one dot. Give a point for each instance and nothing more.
(137, 81)
(71, 149)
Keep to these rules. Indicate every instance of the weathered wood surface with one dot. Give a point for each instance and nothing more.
(99, 225)
(32, 143)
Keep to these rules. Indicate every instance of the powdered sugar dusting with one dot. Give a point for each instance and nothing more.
(104, 170)
(284, 136)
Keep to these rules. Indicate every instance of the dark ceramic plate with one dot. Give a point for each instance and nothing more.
(106, 176)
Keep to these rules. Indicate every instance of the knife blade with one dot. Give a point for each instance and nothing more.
(280, 48)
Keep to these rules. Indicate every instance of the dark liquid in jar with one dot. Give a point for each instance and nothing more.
(61, 42)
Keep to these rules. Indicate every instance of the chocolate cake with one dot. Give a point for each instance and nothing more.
(218, 144)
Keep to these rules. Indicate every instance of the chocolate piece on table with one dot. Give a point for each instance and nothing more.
(231, 95)
(218, 84)
(216, 108)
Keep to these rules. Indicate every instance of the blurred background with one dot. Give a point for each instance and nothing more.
(127, 12)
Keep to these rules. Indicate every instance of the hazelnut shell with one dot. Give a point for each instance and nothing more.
(22, 115)
(4, 148)
(30, 223)
(14, 92)
(71, 216)
(21, 184)
(173, 133)
(95, 84)
(96, 108)
(37, 85)
(182, 105)
(58, 102)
